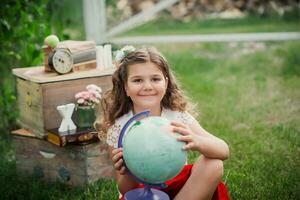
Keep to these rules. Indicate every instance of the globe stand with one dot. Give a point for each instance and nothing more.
(146, 193)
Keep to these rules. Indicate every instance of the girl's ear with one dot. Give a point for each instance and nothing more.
(126, 89)
(167, 82)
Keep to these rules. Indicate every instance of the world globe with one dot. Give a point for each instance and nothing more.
(151, 151)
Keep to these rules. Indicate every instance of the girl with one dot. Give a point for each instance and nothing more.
(144, 81)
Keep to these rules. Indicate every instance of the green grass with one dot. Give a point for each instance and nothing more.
(250, 97)
(247, 94)
(164, 26)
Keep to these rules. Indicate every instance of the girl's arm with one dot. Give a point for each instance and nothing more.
(198, 139)
(124, 180)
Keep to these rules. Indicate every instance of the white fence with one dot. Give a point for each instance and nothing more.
(95, 19)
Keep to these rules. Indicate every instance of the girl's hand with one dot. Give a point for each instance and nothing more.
(117, 160)
(192, 140)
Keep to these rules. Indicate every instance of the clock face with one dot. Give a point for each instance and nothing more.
(62, 61)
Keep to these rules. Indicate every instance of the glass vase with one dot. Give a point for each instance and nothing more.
(85, 117)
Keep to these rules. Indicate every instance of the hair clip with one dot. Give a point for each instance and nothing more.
(122, 53)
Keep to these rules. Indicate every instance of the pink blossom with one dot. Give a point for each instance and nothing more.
(90, 96)
(86, 95)
(78, 95)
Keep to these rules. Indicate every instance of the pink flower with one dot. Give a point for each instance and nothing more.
(90, 96)
(78, 95)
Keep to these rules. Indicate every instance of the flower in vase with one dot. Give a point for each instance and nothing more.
(89, 97)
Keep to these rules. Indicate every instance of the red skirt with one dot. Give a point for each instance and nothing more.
(174, 185)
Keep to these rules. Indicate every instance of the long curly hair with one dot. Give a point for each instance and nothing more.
(116, 103)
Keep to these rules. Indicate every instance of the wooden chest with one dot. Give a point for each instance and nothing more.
(72, 165)
(39, 93)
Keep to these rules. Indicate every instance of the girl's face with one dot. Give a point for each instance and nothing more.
(146, 86)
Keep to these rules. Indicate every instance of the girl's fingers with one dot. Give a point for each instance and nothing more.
(118, 164)
(181, 130)
(188, 146)
(186, 138)
(178, 124)
(123, 170)
(115, 151)
(118, 161)
(117, 157)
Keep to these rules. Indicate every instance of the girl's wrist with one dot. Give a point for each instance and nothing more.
(199, 142)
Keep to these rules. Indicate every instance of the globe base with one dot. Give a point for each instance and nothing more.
(146, 193)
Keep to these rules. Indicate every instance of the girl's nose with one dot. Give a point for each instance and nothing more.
(148, 85)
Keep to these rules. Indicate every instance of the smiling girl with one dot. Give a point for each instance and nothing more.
(144, 81)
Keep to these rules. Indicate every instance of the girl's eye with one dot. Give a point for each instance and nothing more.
(137, 80)
(156, 79)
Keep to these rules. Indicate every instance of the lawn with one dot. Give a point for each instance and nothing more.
(246, 93)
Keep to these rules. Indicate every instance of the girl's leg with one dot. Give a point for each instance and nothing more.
(205, 176)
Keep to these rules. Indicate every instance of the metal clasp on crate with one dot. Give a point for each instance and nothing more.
(28, 99)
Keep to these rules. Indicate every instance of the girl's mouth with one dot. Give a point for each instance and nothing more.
(147, 95)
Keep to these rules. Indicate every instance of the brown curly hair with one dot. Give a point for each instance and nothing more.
(116, 103)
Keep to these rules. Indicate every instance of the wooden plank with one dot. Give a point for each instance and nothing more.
(23, 132)
(53, 175)
(24, 147)
(95, 165)
(35, 147)
(81, 163)
(30, 102)
(68, 179)
(106, 172)
(85, 66)
(38, 74)
(95, 149)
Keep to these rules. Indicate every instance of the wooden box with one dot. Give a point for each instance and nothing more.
(73, 165)
(40, 92)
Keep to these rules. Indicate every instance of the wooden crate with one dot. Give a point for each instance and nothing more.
(40, 92)
(73, 164)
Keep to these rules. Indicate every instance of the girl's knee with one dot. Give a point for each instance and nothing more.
(217, 168)
(212, 168)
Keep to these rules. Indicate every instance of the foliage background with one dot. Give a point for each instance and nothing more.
(24, 25)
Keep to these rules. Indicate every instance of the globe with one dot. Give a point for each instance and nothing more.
(151, 151)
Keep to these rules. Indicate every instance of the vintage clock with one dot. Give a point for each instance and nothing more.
(61, 61)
